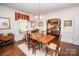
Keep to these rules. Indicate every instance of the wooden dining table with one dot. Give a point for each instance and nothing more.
(43, 38)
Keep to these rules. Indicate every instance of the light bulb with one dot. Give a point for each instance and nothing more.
(40, 17)
(43, 17)
(36, 17)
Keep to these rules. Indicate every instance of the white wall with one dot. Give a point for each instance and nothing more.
(65, 14)
(10, 13)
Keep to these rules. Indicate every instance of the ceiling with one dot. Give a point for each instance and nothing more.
(33, 8)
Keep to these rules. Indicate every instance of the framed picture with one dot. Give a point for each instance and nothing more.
(40, 24)
(67, 23)
(33, 24)
(4, 23)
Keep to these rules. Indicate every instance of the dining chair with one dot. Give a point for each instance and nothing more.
(33, 44)
(25, 39)
(53, 48)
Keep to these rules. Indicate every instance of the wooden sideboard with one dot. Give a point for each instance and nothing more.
(6, 39)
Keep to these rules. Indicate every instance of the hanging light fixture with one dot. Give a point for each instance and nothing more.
(39, 16)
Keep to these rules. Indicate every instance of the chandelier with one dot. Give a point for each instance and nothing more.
(39, 16)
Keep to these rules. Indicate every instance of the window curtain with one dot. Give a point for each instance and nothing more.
(21, 16)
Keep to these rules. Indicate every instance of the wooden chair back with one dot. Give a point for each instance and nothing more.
(58, 43)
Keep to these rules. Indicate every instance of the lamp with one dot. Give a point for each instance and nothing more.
(39, 16)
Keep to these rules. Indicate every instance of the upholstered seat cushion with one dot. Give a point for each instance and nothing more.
(52, 46)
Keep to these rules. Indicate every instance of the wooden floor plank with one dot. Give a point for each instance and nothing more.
(69, 49)
(11, 50)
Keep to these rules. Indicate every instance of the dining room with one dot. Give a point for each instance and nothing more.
(39, 40)
(39, 29)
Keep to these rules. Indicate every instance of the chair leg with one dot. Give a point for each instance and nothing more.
(41, 45)
(52, 52)
(56, 53)
(34, 51)
(46, 51)
(28, 46)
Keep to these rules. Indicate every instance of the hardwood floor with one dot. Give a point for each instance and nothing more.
(69, 49)
(11, 50)
(20, 42)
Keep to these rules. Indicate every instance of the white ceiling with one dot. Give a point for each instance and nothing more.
(33, 8)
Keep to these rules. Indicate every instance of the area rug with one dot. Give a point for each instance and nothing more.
(24, 48)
